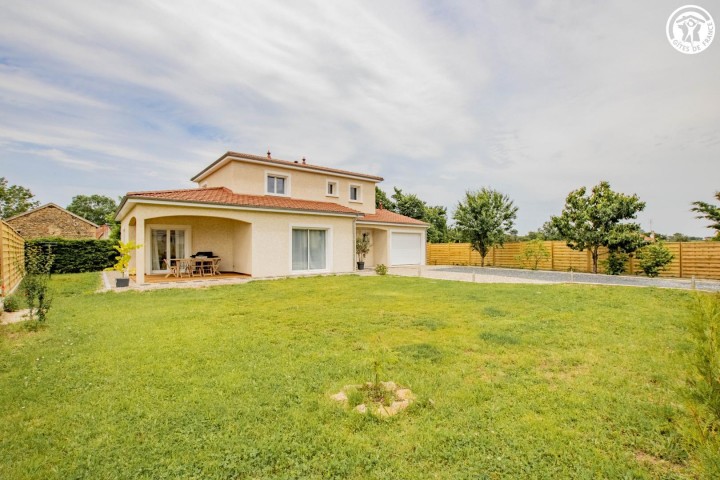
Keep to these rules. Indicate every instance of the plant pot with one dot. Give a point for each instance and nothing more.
(361, 265)
(122, 282)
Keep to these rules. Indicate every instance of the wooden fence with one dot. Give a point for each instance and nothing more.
(698, 259)
(12, 258)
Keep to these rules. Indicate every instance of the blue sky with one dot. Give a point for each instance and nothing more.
(532, 98)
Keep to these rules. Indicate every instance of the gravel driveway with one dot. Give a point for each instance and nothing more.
(485, 274)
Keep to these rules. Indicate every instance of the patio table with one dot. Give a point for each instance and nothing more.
(195, 266)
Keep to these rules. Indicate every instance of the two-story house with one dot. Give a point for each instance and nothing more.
(266, 218)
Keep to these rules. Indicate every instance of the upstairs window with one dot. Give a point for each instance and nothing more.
(355, 193)
(332, 189)
(276, 185)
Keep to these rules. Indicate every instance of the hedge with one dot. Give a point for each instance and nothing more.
(75, 256)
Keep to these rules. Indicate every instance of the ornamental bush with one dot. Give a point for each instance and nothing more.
(615, 262)
(12, 303)
(76, 256)
(654, 258)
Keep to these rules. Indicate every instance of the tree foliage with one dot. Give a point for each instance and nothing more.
(437, 218)
(409, 204)
(412, 206)
(382, 200)
(546, 232)
(593, 221)
(15, 199)
(484, 219)
(99, 209)
(709, 212)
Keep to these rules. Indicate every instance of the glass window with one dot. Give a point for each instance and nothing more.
(276, 185)
(331, 187)
(309, 249)
(354, 193)
(299, 250)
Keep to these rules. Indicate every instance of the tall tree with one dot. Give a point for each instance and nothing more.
(436, 216)
(381, 199)
(709, 212)
(15, 199)
(409, 204)
(594, 221)
(96, 208)
(484, 219)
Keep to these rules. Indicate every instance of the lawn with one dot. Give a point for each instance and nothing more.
(513, 381)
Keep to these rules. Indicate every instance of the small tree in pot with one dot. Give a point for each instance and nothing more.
(362, 247)
(123, 262)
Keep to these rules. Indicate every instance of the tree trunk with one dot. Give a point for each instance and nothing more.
(482, 260)
(594, 252)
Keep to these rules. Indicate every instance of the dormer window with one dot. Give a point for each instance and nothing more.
(355, 194)
(331, 189)
(277, 184)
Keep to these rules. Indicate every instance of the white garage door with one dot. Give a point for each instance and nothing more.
(406, 249)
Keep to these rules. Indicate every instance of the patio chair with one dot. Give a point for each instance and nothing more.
(186, 267)
(204, 265)
(216, 266)
(172, 269)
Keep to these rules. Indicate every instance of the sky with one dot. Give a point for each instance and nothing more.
(532, 98)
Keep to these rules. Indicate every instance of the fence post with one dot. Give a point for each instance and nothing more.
(494, 263)
(680, 260)
(552, 256)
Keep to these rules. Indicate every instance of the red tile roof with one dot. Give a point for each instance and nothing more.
(225, 196)
(274, 161)
(386, 216)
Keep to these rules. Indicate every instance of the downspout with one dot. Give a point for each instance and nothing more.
(353, 243)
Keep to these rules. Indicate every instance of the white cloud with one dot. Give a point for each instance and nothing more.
(536, 99)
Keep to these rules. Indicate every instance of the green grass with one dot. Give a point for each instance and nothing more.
(513, 381)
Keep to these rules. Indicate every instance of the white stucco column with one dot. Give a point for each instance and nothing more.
(140, 252)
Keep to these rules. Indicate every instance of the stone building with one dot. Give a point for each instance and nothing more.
(51, 220)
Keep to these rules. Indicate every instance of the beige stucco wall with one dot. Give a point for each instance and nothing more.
(250, 179)
(253, 242)
(380, 241)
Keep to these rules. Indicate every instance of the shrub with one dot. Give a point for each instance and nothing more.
(34, 285)
(704, 383)
(654, 258)
(77, 256)
(533, 253)
(615, 262)
(12, 303)
(381, 269)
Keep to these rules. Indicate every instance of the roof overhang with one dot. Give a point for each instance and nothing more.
(231, 156)
(129, 202)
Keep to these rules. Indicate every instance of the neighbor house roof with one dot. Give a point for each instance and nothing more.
(386, 216)
(225, 196)
(52, 205)
(300, 165)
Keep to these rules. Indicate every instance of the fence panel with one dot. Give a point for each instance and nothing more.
(699, 259)
(12, 258)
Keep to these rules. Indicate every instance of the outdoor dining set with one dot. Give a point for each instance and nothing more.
(201, 264)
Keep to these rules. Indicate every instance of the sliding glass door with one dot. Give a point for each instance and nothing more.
(308, 249)
(167, 243)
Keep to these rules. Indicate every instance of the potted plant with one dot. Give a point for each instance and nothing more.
(123, 262)
(362, 247)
